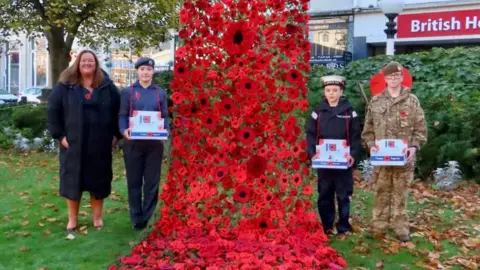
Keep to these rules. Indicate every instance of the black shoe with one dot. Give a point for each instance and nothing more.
(139, 226)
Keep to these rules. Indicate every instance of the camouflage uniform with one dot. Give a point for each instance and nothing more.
(393, 118)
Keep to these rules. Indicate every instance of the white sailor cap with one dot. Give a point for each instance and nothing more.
(333, 80)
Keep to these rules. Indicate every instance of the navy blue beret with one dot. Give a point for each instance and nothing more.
(144, 61)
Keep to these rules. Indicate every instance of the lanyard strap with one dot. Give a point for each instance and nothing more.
(347, 128)
(131, 99)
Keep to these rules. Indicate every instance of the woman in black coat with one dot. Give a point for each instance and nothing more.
(83, 116)
(334, 118)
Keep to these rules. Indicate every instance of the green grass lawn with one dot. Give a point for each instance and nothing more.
(445, 225)
(33, 219)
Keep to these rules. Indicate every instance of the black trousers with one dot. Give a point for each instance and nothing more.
(143, 163)
(335, 183)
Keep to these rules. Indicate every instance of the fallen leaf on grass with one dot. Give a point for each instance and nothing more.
(464, 249)
(83, 213)
(409, 245)
(70, 236)
(393, 248)
(379, 265)
(25, 223)
(467, 263)
(361, 250)
(417, 234)
(43, 268)
(48, 205)
(7, 218)
(51, 219)
(24, 234)
(24, 249)
(473, 243)
(44, 163)
(83, 228)
(41, 224)
(47, 232)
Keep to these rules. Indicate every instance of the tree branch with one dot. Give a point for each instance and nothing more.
(83, 15)
(39, 9)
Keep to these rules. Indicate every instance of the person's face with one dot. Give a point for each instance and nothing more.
(394, 80)
(333, 93)
(145, 73)
(87, 64)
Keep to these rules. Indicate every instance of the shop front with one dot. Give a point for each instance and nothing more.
(419, 29)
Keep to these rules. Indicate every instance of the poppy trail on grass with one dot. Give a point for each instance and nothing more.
(237, 194)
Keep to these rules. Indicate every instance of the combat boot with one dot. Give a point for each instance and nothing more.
(403, 237)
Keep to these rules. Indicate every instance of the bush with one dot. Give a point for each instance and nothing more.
(447, 84)
(31, 120)
(163, 79)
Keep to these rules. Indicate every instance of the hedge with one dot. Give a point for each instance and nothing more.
(447, 83)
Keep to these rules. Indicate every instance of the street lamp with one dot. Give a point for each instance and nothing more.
(174, 35)
(391, 9)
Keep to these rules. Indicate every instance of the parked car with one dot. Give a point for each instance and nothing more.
(6, 97)
(31, 94)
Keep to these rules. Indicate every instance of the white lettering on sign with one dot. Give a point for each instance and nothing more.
(472, 23)
(436, 25)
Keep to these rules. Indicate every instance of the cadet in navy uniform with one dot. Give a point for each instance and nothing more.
(143, 158)
(334, 118)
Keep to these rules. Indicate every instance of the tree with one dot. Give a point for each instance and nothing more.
(93, 22)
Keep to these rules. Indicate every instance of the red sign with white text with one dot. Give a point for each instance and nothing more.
(437, 24)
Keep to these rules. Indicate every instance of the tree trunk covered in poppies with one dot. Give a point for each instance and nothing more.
(238, 191)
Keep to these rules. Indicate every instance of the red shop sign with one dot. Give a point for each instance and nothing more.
(437, 24)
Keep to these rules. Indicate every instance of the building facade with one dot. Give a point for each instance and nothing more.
(423, 24)
(23, 63)
(121, 62)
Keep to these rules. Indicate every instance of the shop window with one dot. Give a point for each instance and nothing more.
(41, 63)
(14, 68)
(325, 37)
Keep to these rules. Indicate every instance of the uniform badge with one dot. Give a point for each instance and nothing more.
(314, 115)
(150, 62)
(88, 96)
(137, 95)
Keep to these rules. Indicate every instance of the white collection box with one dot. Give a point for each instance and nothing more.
(147, 125)
(333, 155)
(390, 152)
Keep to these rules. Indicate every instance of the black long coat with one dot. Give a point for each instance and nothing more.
(65, 118)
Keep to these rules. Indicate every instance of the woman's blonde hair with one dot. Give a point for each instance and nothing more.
(72, 74)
